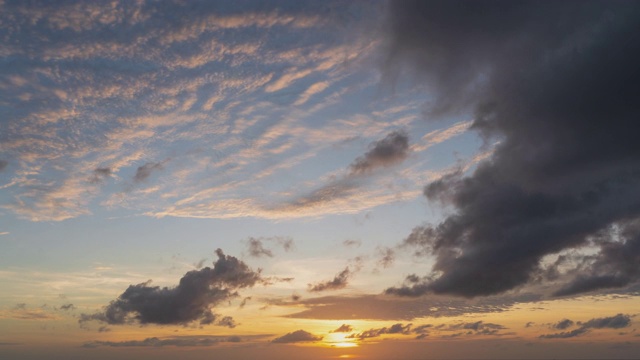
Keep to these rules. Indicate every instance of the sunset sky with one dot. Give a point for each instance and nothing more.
(319, 179)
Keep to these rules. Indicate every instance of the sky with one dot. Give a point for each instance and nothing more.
(319, 179)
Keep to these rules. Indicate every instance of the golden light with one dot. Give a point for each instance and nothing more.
(339, 340)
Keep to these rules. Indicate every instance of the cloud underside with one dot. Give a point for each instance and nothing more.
(297, 337)
(192, 300)
(178, 341)
(618, 321)
(379, 307)
(566, 173)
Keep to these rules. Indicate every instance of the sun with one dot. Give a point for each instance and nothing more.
(339, 340)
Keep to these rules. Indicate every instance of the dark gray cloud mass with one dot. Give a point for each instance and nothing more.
(192, 300)
(390, 150)
(555, 82)
(618, 321)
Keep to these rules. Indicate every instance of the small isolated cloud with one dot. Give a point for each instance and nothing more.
(352, 243)
(394, 329)
(244, 302)
(67, 307)
(143, 172)
(386, 256)
(563, 324)
(256, 247)
(191, 300)
(392, 149)
(297, 336)
(178, 341)
(565, 334)
(100, 174)
(344, 328)
(618, 321)
(340, 281)
(3, 164)
(475, 328)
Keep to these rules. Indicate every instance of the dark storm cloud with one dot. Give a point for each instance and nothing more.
(297, 336)
(618, 321)
(192, 300)
(340, 281)
(390, 150)
(177, 341)
(616, 264)
(3, 164)
(555, 82)
(344, 328)
(143, 172)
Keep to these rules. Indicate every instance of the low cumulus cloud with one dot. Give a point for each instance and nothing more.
(618, 321)
(340, 281)
(563, 324)
(296, 337)
(344, 328)
(566, 169)
(474, 328)
(191, 300)
(394, 329)
(178, 341)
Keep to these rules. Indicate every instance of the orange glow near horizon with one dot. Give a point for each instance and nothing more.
(339, 340)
